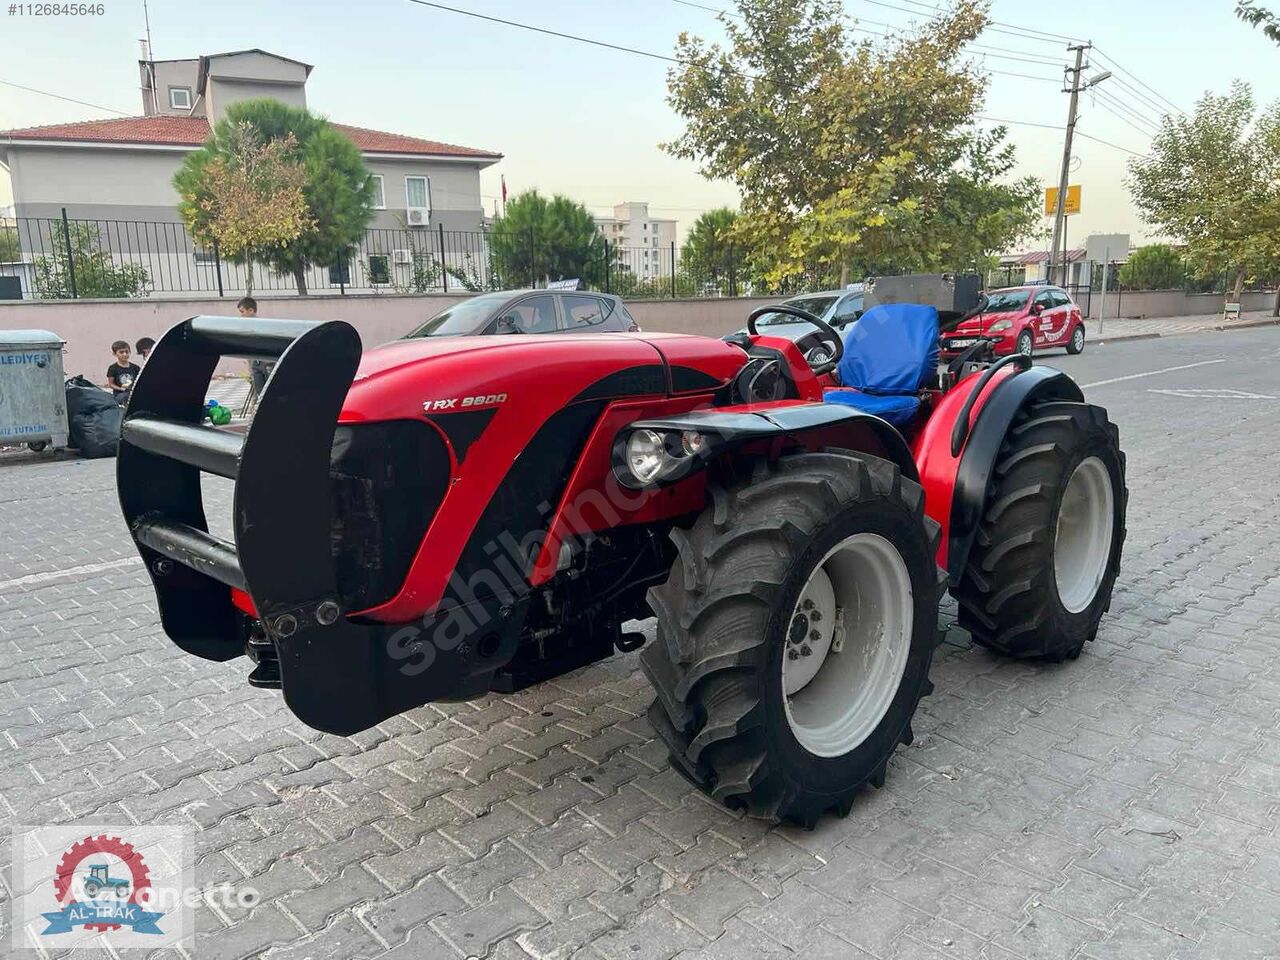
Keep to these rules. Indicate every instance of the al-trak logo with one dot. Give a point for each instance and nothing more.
(102, 883)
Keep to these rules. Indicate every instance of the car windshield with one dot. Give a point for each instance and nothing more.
(1003, 300)
(462, 318)
(814, 305)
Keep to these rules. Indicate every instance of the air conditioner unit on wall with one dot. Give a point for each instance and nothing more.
(402, 256)
(418, 216)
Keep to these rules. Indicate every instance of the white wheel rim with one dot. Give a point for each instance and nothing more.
(1082, 542)
(858, 643)
(1024, 346)
(1078, 338)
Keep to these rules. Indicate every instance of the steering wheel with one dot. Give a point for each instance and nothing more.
(828, 334)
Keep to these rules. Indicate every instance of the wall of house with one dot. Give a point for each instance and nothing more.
(119, 184)
(245, 76)
(105, 183)
(454, 190)
(90, 326)
(171, 73)
(222, 92)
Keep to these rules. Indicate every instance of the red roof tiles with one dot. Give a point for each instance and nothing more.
(192, 132)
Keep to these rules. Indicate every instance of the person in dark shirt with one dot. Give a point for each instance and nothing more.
(144, 349)
(259, 370)
(122, 373)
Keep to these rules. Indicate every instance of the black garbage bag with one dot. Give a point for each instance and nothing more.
(93, 417)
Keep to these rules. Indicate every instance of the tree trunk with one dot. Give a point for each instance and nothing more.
(300, 276)
(844, 274)
(1275, 311)
(248, 273)
(1237, 286)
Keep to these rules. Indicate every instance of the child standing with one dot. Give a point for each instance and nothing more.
(122, 373)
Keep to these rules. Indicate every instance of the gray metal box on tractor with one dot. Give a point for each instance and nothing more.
(33, 406)
(952, 294)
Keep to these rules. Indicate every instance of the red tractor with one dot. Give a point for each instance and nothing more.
(446, 517)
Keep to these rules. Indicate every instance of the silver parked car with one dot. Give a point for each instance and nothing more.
(531, 311)
(840, 309)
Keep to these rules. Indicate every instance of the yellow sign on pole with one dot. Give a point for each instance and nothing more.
(1051, 200)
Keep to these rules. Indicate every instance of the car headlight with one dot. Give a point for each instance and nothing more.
(646, 455)
(1000, 326)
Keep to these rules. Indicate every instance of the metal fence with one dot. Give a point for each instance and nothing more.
(69, 258)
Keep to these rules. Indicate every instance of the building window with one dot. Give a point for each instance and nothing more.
(379, 268)
(379, 198)
(415, 192)
(180, 98)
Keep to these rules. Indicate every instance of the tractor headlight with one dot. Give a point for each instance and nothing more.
(646, 455)
(1000, 326)
(693, 443)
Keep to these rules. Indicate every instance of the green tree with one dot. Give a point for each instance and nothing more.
(1212, 182)
(1156, 266)
(1256, 16)
(10, 247)
(337, 187)
(539, 238)
(708, 252)
(96, 272)
(850, 157)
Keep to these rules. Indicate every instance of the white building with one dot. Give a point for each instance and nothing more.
(644, 245)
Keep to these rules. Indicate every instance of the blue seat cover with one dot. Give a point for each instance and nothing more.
(888, 356)
(897, 409)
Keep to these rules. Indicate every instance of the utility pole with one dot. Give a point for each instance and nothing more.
(1059, 214)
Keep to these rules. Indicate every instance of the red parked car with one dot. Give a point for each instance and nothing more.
(1023, 320)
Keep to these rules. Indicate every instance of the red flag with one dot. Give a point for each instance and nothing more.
(504, 188)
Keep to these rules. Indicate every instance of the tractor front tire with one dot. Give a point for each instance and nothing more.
(795, 634)
(1044, 562)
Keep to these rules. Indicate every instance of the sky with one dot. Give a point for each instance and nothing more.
(587, 122)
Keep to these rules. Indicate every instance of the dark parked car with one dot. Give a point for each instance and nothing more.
(531, 311)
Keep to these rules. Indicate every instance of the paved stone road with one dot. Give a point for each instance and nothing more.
(1125, 805)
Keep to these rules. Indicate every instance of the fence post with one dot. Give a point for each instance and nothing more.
(340, 264)
(673, 269)
(444, 270)
(71, 263)
(733, 275)
(533, 267)
(217, 266)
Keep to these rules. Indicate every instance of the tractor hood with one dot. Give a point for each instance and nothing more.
(406, 378)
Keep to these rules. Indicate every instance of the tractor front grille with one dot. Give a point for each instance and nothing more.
(388, 480)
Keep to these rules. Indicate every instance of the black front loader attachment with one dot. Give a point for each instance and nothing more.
(281, 557)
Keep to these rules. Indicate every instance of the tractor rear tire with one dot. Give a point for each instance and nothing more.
(842, 528)
(1044, 562)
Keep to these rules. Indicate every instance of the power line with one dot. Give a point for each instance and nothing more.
(58, 96)
(1135, 79)
(1102, 104)
(1009, 53)
(658, 56)
(550, 33)
(1056, 126)
(1122, 111)
(996, 26)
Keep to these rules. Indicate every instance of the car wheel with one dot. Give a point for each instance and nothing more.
(1025, 344)
(1076, 343)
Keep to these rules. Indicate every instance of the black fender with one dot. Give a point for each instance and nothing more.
(986, 436)
(728, 430)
